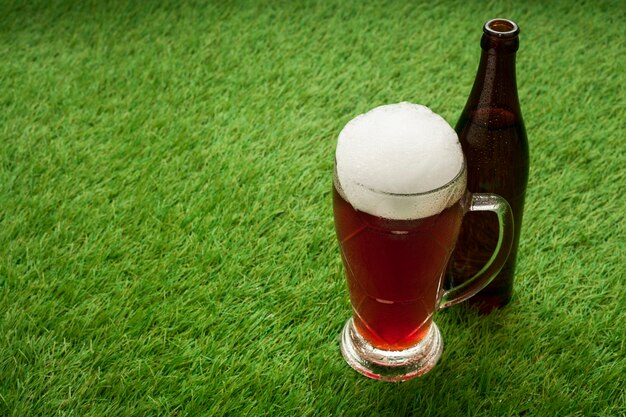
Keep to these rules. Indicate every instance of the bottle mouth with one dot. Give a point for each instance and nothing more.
(501, 28)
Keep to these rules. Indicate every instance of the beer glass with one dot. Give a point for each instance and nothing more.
(395, 270)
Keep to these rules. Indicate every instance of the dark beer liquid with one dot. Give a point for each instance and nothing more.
(394, 270)
(493, 137)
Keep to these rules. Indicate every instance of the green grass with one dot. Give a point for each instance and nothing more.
(166, 233)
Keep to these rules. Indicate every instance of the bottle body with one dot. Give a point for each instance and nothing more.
(492, 133)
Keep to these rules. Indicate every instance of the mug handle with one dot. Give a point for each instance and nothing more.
(497, 204)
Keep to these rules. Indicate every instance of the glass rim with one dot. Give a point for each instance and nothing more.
(422, 193)
(511, 33)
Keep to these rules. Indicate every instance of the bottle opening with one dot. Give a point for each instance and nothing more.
(502, 28)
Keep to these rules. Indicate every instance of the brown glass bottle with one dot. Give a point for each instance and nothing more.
(493, 137)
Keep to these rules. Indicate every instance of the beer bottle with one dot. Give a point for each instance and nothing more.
(493, 137)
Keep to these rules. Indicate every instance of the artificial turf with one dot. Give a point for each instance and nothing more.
(166, 232)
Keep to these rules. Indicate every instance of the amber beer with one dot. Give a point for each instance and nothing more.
(391, 268)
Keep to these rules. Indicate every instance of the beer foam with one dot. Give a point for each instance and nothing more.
(398, 161)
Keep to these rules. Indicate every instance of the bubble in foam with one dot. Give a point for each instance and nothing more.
(389, 157)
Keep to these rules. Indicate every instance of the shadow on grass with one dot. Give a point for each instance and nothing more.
(477, 373)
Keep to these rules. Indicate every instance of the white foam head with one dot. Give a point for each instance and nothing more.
(399, 161)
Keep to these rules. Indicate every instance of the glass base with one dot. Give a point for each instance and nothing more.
(390, 365)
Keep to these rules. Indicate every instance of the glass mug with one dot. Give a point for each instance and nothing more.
(395, 269)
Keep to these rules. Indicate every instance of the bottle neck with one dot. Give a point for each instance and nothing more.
(495, 84)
